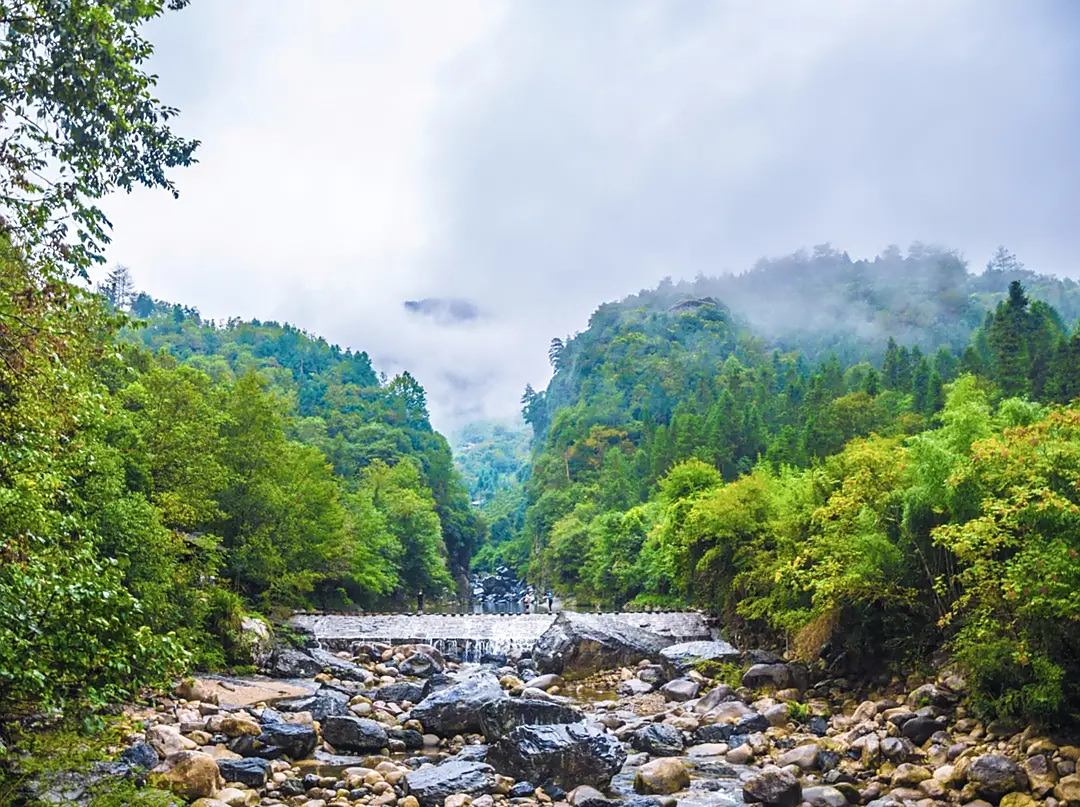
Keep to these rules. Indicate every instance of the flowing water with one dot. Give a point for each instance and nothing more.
(471, 637)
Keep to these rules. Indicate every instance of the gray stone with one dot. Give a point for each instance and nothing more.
(683, 656)
(774, 787)
(995, 775)
(658, 739)
(580, 644)
(252, 772)
(431, 784)
(499, 717)
(457, 708)
(564, 755)
(824, 796)
(680, 690)
(348, 733)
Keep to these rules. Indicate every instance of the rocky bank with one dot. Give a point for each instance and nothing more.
(593, 718)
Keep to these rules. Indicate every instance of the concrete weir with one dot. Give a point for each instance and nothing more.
(473, 636)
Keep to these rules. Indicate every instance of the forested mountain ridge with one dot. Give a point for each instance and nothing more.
(825, 503)
(336, 402)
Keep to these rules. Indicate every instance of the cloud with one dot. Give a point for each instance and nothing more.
(443, 310)
(537, 158)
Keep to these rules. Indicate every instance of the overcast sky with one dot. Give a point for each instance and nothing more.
(530, 160)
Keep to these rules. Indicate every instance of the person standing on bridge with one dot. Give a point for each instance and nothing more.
(420, 601)
(550, 600)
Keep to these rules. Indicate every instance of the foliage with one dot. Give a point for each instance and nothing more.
(80, 122)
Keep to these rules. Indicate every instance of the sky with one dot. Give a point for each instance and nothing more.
(449, 185)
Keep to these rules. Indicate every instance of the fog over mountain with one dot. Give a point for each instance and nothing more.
(448, 186)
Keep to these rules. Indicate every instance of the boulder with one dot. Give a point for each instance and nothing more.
(1067, 790)
(421, 665)
(633, 686)
(995, 775)
(662, 776)
(678, 658)
(323, 704)
(918, 729)
(291, 740)
(499, 717)
(167, 740)
(400, 692)
(658, 739)
(680, 690)
(431, 784)
(714, 698)
(565, 755)
(775, 676)
(189, 774)
(339, 667)
(457, 708)
(289, 662)
(348, 733)
(254, 642)
(581, 644)
(140, 756)
(805, 757)
(252, 772)
(774, 787)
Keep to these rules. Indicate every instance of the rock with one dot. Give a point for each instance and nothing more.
(1018, 800)
(278, 739)
(400, 692)
(457, 800)
(239, 725)
(995, 775)
(707, 750)
(565, 755)
(584, 796)
(499, 717)
(580, 644)
(634, 686)
(545, 682)
(193, 689)
(803, 756)
(678, 658)
(774, 787)
(254, 642)
(348, 733)
(714, 698)
(729, 712)
(658, 739)
(680, 690)
(824, 796)
(907, 775)
(522, 790)
(716, 733)
(662, 776)
(431, 784)
(288, 662)
(919, 729)
(140, 756)
(252, 772)
(338, 667)
(189, 774)
(1067, 790)
(167, 740)
(321, 705)
(740, 755)
(421, 665)
(774, 676)
(457, 708)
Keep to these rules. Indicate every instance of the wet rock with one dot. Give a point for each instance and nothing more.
(774, 787)
(679, 658)
(564, 755)
(995, 775)
(348, 733)
(499, 717)
(457, 708)
(751, 723)
(658, 739)
(252, 771)
(288, 662)
(580, 644)
(190, 774)
(431, 784)
(522, 790)
(680, 690)
(662, 776)
(338, 667)
(715, 733)
(545, 682)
